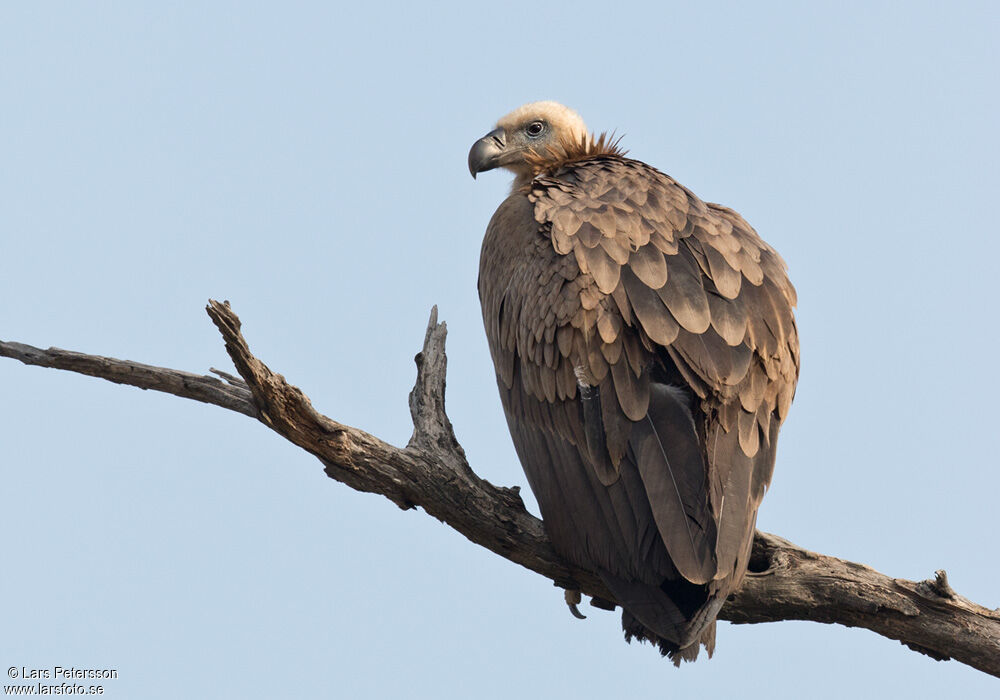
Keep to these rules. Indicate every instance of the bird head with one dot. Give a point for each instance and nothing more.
(527, 136)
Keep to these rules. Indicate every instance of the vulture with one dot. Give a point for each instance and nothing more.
(646, 354)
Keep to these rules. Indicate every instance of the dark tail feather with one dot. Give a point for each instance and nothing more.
(674, 615)
(635, 630)
(691, 653)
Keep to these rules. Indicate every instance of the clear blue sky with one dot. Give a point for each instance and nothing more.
(308, 163)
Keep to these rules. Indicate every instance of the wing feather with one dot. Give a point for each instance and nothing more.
(674, 475)
(660, 327)
(684, 294)
(649, 265)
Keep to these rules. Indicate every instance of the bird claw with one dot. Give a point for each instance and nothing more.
(573, 599)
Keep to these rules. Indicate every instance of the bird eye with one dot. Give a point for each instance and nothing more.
(535, 129)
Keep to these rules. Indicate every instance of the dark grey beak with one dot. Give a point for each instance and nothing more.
(485, 153)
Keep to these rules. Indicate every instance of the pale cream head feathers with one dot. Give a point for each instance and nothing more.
(566, 123)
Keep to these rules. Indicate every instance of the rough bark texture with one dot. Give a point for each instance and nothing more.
(785, 582)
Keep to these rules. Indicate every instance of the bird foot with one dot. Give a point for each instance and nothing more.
(573, 599)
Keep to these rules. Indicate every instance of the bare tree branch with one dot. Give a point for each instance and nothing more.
(785, 582)
(171, 381)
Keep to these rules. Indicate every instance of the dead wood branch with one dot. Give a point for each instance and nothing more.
(786, 582)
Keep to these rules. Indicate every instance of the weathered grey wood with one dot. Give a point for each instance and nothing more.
(786, 582)
(171, 381)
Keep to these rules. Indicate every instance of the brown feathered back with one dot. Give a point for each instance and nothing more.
(646, 353)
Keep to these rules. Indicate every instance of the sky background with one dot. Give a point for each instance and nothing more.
(308, 162)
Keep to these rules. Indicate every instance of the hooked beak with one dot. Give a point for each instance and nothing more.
(485, 153)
